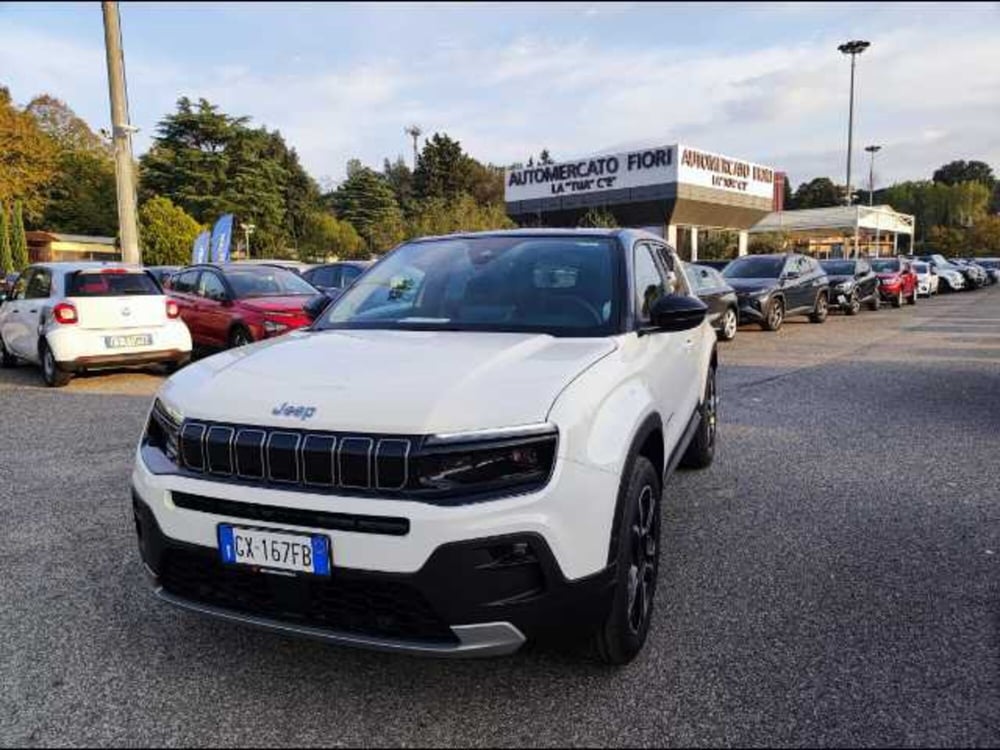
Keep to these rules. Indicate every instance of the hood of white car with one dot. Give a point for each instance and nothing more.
(380, 381)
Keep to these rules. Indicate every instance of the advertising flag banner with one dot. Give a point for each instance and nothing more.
(199, 252)
(222, 235)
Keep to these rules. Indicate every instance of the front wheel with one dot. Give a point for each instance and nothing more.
(621, 636)
(240, 336)
(897, 301)
(854, 304)
(727, 331)
(821, 310)
(6, 358)
(53, 376)
(875, 302)
(775, 316)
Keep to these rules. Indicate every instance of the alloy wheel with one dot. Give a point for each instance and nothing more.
(774, 315)
(642, 566)
(729, 325)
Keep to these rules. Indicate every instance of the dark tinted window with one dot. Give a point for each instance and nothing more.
(211, 287)
(267, 281)
(103, 284)
(326, 277)
(885, 265)
(350, 274)
(39, 285)
(185, 282)
(755, 267)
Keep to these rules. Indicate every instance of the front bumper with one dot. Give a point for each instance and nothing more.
(478, 597)
(751, 309)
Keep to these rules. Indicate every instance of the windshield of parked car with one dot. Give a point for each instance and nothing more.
(921, 268)
(838, 267)
(563, 286)
(110, 284)
(755, 267)
(267, 281)
(886, 265)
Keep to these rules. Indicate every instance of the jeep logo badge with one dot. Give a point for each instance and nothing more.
(290, 410)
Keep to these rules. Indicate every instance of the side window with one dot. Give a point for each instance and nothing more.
(649, 286)
(39, 285)
(671, 268)
(211, 287)
(328, 277)
(350, 274)
(863, 266)
(185, 282)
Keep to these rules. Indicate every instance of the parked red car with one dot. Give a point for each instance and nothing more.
(229, 305)
(896, 280)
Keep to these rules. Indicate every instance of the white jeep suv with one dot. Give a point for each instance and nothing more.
(69, 317)
(466, 450)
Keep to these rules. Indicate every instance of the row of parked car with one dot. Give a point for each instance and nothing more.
(72, 317)
(767, 289)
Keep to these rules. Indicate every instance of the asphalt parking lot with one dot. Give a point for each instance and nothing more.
(831, 580)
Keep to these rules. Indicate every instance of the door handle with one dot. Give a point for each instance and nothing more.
(33, 310)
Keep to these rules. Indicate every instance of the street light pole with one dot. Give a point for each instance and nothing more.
(121, 134)
(852, 48)
(871, 173)
(414, 132)
(247, 231)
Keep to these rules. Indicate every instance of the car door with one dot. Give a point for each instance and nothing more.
(705, 287)
(37, 302)
(14, 323)
(183, 288)
(214, 306)
(793, 284)
(867, 281)
(672, 355)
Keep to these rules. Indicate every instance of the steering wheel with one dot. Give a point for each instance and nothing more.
(579, 303)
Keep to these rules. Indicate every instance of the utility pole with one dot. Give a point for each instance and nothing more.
(121, 134)
(871, 173)
(852, 48)
(414, 132)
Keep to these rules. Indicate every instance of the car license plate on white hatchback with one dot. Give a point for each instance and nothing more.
(275, 550)
(125, 342)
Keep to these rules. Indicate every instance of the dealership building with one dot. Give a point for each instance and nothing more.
(674, 191)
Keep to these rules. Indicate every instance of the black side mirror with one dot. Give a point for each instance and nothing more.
(318, 304)
(678, 312)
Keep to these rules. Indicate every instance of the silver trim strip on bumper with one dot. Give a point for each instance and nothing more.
(481, 640)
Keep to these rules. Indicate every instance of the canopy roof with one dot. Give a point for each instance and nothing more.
(844, 218)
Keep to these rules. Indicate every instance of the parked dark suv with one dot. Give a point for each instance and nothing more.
(852, 283)
(772, 287)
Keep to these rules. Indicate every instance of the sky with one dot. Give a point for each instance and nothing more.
(758, 81)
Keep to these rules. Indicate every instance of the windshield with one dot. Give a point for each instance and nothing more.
(563, 286)
(110, 284)
(887, 265)
(921, 268)
(838, 267)
(267, 281)
(755, 267)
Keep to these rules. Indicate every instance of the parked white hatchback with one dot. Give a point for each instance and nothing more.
(70, 317)
(927, 279)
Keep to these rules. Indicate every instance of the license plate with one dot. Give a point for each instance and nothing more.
(123, 342)
(275, 550)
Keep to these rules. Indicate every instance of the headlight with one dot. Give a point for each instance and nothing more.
(844, 286)
(271, 327)
(458, 469)
(163, 429)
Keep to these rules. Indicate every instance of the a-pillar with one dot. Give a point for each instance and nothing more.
(694, 244)
(672, 235)
(744, 243)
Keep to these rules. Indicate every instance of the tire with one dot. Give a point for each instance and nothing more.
(53, 376)
(730, 321)
(701, 451)
(620, 638)
(239, 336)
(875, 302)
(822, 309)
(912, 300)
(897, 301)
(7, 360)
(774, 316)
(853, 304)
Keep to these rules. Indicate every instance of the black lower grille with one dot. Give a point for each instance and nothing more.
(379, 608)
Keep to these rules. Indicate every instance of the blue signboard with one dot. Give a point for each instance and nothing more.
(222, 235)
(199, 253)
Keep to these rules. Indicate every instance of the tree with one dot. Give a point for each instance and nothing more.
(441, 167)
(81, 196)
(325, 236)
(819, 192)
(365, 200)
(463, 214)
(27, 158)
(6, 259)
(598, 218)
(400, 179)
(769, 242)
(788, 200)
(167, 233)
(984, 237)
(70, 132)
(19, 240)
(965, 171)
